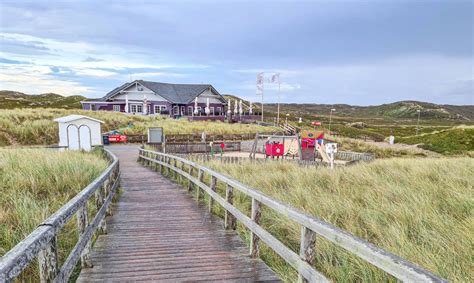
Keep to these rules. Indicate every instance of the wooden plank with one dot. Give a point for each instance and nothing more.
(158, 233)
(229, 219)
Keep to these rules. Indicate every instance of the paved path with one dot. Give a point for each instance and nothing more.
(159, 233)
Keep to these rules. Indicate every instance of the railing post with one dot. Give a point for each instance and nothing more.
(307, 250)
(82, 223)
(229, 219)
(198, 189)
(254, 240)
(182, 169)
(213, 188)
(99, 201)
(190, 172)
(48, 261)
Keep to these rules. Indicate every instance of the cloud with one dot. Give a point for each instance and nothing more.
(8, 61)
(92, 59)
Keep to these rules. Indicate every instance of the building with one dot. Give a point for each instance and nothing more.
(150, 98)
(79, 132)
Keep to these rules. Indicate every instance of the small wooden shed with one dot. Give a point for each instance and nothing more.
(79, 132)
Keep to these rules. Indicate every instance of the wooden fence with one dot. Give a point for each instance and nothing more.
(354, 156)
(186, 148)
(238, 160)
(311, 227)
(42, 242)
(191, 138)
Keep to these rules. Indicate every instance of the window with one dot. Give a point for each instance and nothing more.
(176, 110)
(211, 111)
(199, 110)
(160, 109)
(116, 108)
(139, 88)
(183, 110)
(92, 107)
(190, 110)
(148, 108)
(218, 111)
(136, 108)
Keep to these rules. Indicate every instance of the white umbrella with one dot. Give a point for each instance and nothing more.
(126, 103)
(250, 108)
(208, 110)
(241, 110)
(145, 105)
(196, 106)
(229, 108)
(235, 107)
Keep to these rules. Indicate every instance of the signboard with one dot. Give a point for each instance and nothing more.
(331, 148)
(309, 138)
(155, 135)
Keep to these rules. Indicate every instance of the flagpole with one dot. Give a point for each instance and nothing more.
(262, 102)
(278, 107)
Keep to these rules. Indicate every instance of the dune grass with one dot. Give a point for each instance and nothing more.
(34, 183)
(419, 209)
(36, 126)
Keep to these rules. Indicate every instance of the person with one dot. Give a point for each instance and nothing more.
(203, 137)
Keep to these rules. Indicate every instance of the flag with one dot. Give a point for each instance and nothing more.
(260, 78)
(276, 78)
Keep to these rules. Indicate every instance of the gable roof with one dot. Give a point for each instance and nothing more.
(75, 117)
(175, 93)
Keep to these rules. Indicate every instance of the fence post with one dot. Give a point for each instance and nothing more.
(254, 240)
(229, 219)
(182, 169)
(48, 261)
(99, 201)
(307, 250)
(213, 188)
(190, 172)
(82, 223)
(198, 189)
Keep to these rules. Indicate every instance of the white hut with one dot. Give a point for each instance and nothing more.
(79, 132)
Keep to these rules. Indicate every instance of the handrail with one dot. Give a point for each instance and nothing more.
(42, 242)
(310, 225)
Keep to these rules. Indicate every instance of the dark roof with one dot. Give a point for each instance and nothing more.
(175, 93)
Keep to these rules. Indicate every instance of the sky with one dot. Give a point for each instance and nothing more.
(351, 52)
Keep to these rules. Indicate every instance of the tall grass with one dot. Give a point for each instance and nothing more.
(419, 209)
(34, 183)
(36, 126)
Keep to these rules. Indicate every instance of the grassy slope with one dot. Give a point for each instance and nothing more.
(414, 208)
(12, 99)
(451, 141)
(32, 191)
(36, 126)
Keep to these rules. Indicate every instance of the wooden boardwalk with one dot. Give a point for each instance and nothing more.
(159, 233)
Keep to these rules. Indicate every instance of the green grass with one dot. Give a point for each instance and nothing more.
(34, 183)
(36, 126)
(452, 141)
(419, 209)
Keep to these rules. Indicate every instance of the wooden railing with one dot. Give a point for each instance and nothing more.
(42, 242)
(311, 227)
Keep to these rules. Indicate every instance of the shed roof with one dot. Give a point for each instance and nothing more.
(74, 117)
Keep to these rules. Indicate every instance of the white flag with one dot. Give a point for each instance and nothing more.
(260, 78)
(276, 78)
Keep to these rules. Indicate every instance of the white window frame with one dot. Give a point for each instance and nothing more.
(190, 111)
(116, 107)
(218, 109)
(199, 110)
(211, 111)
(148, 109)
(182, 111)
(175, 110)
(134, 108)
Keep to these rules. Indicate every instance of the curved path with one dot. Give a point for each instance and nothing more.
(159, 233)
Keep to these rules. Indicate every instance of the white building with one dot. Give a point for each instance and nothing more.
(79, 132)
